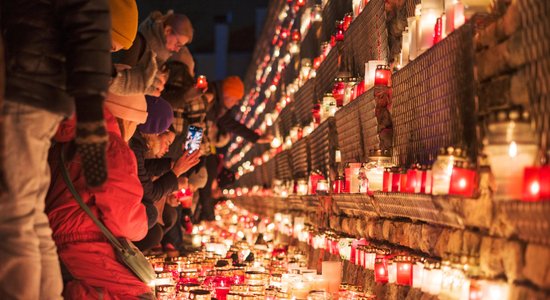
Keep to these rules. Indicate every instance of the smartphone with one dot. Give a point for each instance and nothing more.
(194, 138)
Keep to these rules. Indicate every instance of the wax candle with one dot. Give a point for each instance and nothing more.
(387, 180)
(544, 182)
(202, 83)
(418, 274)
(381, 270)
(430, 11)
(392, 271)
(405, 45)
(413, 35)
(442, 171)
(370, 72)
(463, 181)
(531, 184)
(339, 89)
(426, 186)
(382, 75)
(454, 13)
(378, 161)
(395, 180)
(438, 31)
(339, 35)
(510, 139)
(414, 180)
(404, 272)
(352, 177)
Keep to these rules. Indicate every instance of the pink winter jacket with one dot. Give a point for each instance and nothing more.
(82, 247)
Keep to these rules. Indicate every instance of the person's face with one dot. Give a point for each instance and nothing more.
(174, 41)
(229, 101)
(115, 46)
(166, 139)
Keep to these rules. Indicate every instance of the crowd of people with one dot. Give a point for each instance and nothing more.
(90, 93)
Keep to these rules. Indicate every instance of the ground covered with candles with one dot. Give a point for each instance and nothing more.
(244, 256)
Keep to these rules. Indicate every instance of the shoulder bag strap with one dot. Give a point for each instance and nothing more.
(76, 195)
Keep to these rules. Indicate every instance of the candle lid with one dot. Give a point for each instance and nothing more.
(375, 153)
(516, 114)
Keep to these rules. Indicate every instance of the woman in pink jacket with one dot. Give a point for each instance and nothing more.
(87, 255)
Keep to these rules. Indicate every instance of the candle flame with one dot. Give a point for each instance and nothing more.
(462, 183)
(513, 149)
(534, 188)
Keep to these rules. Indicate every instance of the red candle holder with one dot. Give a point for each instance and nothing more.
(339, 35)
(296, 36)
(338, 185)
(387, 180)
(338, 90)
(414, 180)
(403, 183)
(382, 76)
(360, 87)
(531, 184)
(284, 33)
(438, 31)
(395, 180)
(404, 270)
(202, 83)
(381, 270)
(314, 179)
(347, 21)
(544, 181)
(316, 111)
(300, 3)
(317, 62)
(463, 181)
(332, 41)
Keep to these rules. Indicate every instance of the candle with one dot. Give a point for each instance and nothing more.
(339, 35)
(510, 139)
(532, 184)
(414, 180)
(381, 270)
(332, 271)
(339, 90)
(302, 187)
(387, 183)
(438, 31)
(316, 112)
(405, 44)
(352, 177)
(202, 83)
(404, 270)
(338, 185)
(221, 292)
(426, 185)
(370, 72)
(392, 271)
(347, 21)
(299, 290)
(382, 76)
(328, 103)
(435, 277)
(430, 11)
(418, 274)
(317, 13)
(395, 180)
(413, 35)
(442, 171)
(379, 161)
(454, 13)
(403, 183)
(322, 187)
(494, 290)
(337, 156)
(463, 181)
(544, 181)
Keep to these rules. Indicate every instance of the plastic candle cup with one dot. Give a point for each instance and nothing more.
(404, 270)
(382, 76)
(381, 270)
(532, 184)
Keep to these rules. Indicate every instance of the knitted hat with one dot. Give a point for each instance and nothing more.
(159, 118)
(124, 21)
(233, 86)
(131, 108)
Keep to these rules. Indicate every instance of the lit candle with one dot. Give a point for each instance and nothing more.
(395, 180)
(379, 161)
(430, 11)
(316, 112)
(426, 185)
(387, 186)
(339, 89)
(202, 83)
(317, 13)
(414, 180)
(454, 13)
(438, 31)
(418, 272)
(347, 21)
(299, 290)
(442, 171)
(381, 270)
(532, 184)
(494, 290)
(405, 44)
(370, 72)
(322, 187)
(302, 187)
(404, 270)
(544, 181)
(337, 156)
(295, 36)
(392, 271)
(463, 181)
(510, 139)
(338, 186)
(413, 35)
(339, 35)
(382, 76)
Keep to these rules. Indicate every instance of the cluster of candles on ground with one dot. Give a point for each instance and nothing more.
(237, 259)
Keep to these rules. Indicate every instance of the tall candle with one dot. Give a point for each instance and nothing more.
(413, 36)
(430, 11)
(405, 45)
(370, 72)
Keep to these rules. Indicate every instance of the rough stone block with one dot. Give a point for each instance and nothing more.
(490, 256)
(442, 245)
(455, 241)
(471, 242)
(415, 236)
(388, 230)
(537, 265)
(429, 238)
(494, 93)
(524, 292)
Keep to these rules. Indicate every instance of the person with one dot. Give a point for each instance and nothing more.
(220, 122)
(82, 247)
(169, 177)
(57, 62)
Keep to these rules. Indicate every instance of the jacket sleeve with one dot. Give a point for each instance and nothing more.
(158, 166)
(86, 25)
(119, 201)
(229, 124)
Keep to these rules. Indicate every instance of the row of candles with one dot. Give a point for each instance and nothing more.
(455, 277)
(519, 169)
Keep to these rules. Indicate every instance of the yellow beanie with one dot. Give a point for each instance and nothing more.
(233, 86)
(124, 22)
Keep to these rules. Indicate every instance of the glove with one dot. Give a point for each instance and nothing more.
(91, 144)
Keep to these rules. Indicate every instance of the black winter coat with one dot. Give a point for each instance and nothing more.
(153, 191)
(58, 54)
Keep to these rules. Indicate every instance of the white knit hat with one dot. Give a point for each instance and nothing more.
(131, 108)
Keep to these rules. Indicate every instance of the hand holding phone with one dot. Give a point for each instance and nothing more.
(194, 138)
